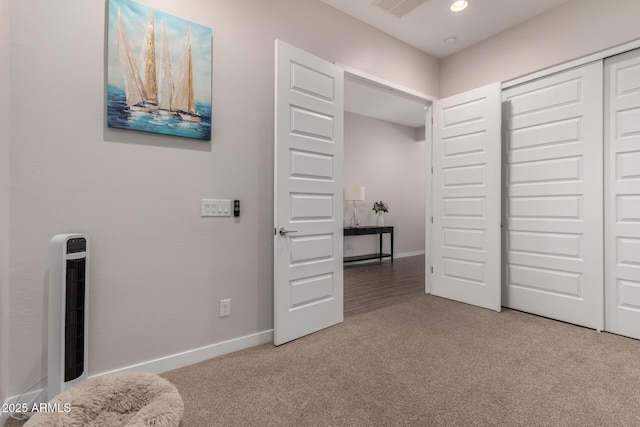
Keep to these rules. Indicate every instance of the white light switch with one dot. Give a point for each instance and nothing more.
(216, 207)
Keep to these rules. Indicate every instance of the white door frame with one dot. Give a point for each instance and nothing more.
(428, 100)
(428, 131)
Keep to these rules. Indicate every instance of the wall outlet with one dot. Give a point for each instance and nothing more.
(225, 307)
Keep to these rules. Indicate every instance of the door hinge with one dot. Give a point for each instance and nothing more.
(431, 170)
(275, 231)
(431, 269)
(431, 220)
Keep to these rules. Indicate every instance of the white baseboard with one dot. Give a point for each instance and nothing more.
(190, 357)
(164, 364)
(408, 254)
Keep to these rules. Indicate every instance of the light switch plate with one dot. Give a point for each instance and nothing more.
(216, 207)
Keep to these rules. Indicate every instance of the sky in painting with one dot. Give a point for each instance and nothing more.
(135, 18)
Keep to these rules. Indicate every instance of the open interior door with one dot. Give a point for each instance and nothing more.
(308, 226)
(466, 197)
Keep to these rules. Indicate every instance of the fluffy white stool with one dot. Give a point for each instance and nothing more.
(137, 399)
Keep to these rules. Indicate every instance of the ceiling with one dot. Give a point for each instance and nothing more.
(426, 27)
(431, 22)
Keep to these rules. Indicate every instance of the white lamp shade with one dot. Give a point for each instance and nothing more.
(354, 193)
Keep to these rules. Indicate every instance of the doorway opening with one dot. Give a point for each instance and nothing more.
(385, 154)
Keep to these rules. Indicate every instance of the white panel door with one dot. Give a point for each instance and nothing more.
(553, 208)
(622, 201)
(466, 198)
(309, 110)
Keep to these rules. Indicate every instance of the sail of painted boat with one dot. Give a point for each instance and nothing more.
(149, 65)
(184, 101)
(165, 86)
(133, 87)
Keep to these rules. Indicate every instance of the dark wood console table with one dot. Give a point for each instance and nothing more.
(361, 231)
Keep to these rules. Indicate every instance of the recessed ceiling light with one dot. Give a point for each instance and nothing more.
(450, 40)
(459, 6)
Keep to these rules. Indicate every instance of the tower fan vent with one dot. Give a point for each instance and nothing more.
(68, 316)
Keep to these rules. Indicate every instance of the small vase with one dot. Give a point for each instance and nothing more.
(380, 219)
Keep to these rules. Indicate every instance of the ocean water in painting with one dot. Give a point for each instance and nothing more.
(159, 72)
(119, 116)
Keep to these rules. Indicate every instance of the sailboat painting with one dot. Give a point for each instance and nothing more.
(158, 72)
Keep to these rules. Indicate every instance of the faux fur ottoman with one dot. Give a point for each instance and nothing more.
(130, 399)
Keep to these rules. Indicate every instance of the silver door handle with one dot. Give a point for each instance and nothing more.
(284, 232)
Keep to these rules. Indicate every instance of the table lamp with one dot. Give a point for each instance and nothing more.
(354, 194)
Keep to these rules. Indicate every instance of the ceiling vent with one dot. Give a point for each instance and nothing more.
(399, 7)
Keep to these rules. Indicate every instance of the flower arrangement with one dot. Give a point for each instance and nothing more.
(380, 207)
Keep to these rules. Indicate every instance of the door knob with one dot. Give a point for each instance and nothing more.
(284, 232)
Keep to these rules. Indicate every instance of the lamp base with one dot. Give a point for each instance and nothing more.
(354, 222)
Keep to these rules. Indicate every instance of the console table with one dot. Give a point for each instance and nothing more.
(361, 231)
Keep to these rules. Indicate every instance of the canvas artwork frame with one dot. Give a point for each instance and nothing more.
(159, 72)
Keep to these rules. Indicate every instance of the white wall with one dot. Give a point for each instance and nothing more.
(389, 161)
(4, 196)
(573, 30)
(158, 269)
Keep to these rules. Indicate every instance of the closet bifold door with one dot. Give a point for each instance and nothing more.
(553, 187)
(622, 195)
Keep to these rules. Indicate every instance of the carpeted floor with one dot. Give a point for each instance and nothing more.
(427, 362)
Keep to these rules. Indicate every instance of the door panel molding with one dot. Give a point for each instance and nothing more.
(308, 156)
(553, 210)
(466, 198)
(622, 194)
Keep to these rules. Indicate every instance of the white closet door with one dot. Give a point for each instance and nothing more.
(553, 209)
(466, 197)
(622, 181)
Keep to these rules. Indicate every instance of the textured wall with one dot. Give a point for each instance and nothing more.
(158, 269)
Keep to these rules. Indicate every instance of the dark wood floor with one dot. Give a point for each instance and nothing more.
(374, 285)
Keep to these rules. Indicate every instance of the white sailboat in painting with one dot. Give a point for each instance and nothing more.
(140, 93)
(149, 65)
(183, 100)
(151, 70)
(165, 88)
(148, 94)
(133, 87)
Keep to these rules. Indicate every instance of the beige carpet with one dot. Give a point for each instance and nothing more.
(428, 362)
